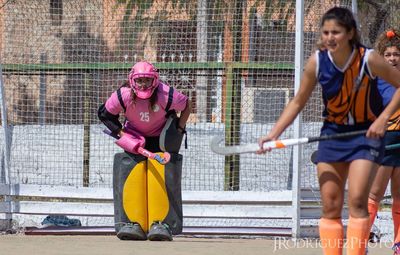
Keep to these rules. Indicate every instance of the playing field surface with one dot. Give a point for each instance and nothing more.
(98, 245)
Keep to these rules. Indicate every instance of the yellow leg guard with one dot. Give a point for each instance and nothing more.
(164, 192)
(134, 198)
(158, 204)
(130, 190)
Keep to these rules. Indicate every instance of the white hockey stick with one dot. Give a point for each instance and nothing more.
(278, 144)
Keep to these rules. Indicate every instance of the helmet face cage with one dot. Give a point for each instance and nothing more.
(143, 70)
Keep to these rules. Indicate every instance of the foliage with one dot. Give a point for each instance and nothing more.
(385, 15)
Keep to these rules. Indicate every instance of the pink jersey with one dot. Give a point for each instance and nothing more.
(139, 117)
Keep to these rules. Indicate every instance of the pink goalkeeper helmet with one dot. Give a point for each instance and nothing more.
(143, 69)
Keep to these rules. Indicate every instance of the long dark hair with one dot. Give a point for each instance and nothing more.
(345, 18)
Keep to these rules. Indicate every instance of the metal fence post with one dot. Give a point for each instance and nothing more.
(5, 223)
(299, 55)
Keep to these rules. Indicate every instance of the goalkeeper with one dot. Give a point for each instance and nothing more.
(146, 102)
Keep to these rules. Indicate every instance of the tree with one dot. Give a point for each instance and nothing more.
(385, 14)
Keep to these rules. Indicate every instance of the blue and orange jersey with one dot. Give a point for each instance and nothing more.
(394, 122)
(351, 94)
(387, 91)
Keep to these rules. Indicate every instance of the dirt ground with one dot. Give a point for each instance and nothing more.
(97, 245)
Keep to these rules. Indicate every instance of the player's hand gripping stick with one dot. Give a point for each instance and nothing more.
(160, 159)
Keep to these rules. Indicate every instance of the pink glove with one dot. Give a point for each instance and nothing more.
(131, 142)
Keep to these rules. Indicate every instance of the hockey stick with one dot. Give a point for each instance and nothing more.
(392, 146)
(313, 157)
(162, 160)
(278, 144)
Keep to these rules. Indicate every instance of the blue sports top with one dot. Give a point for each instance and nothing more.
(351, 94)
(387, 91)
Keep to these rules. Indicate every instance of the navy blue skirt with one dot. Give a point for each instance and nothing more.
(350, 148)
(392, 157)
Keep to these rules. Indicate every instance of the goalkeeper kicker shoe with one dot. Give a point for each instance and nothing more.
(131, 231)
(159, 232)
